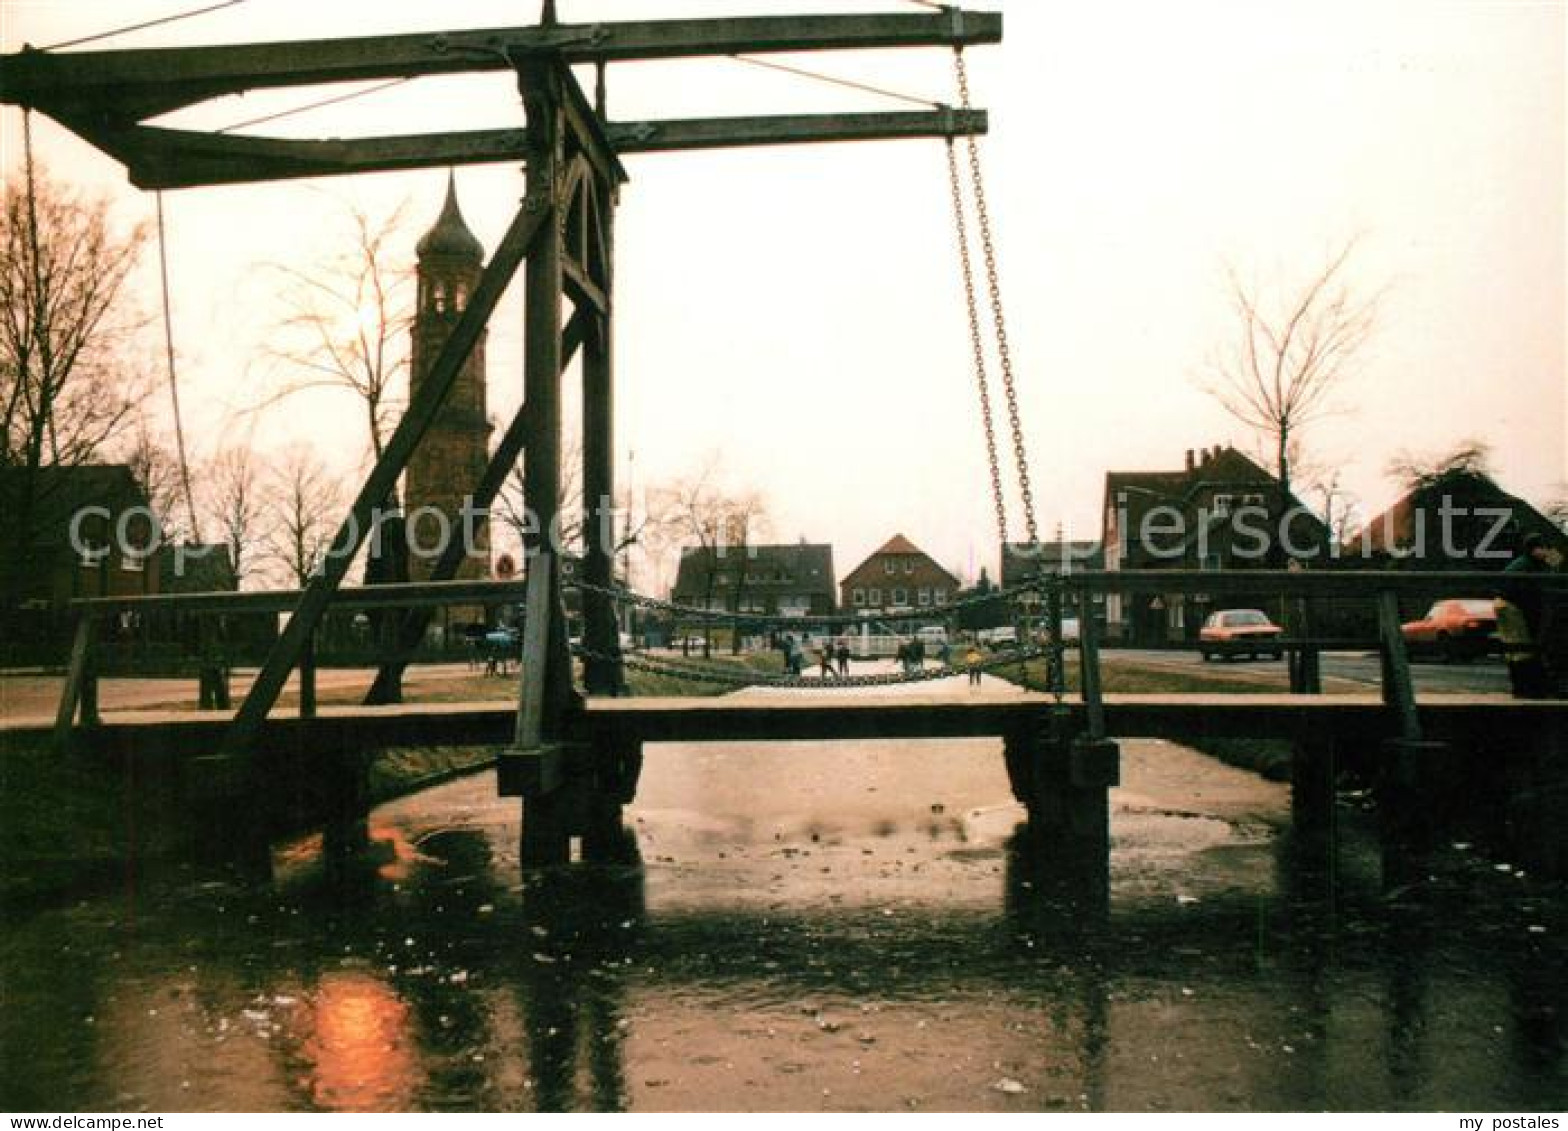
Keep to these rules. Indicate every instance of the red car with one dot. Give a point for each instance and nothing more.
(1459, 628)
(1235, 632)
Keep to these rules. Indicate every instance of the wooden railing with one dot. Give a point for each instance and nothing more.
(1383, 590)
(1304, 588)
(79, 698)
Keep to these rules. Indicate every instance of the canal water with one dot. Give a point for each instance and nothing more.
(858, 926)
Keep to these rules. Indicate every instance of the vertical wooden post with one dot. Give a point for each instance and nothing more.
(81, 686)
(1409, 770)
(540, 85)
(545, 687)
(1398, 689)
(536, 641)
(307, 678)
(601, 632)
(1089, 668)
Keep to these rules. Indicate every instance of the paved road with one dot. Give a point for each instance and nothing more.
(1352, 667)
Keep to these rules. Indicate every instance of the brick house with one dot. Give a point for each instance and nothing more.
(1222, 512)
(898, 577)
(786, 580)
(92, 534)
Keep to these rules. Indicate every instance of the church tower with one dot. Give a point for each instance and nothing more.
(448, 463)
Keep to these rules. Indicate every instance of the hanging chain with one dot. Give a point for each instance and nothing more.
(976, 340)
(994, 289)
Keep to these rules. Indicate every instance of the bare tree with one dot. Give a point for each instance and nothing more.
(344, 323)
(1556, 509)
(628, 530)
(1290, 353)
(305, 502)
(1468, 457)
(721, 522)
(238, 508)
(66, 332)
(156, 470)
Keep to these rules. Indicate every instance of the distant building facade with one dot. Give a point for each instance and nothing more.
(899, 577)
(1220, 512)
(774, 581)
(91, 534)
(1022, 563)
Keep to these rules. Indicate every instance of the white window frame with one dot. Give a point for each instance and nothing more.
(858, 598)
(899, 597)
(923, 597)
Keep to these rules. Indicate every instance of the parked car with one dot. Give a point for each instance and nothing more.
(692, 642)
(1237, 632)
(1457, 628)
(998, 638)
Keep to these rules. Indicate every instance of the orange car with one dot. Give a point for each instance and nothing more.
(1459, 628)
(1236, 632)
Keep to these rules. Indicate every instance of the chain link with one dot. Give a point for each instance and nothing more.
(994, 292)
(976, 340)
(724, 616)
(692, 673)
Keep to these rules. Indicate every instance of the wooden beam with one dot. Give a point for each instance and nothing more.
(1398, 688)
(160, 158)
(601, 631)
(134, 85)
(581, 287)
(502, 461)
(673, 135)
(541, 88)
(76, 678)
(532, 219)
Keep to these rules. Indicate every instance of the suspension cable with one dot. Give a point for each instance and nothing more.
(142, 26)
(316, 105)
(174, 384)
(834, 80)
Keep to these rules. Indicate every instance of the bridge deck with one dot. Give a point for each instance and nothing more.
(822, 715)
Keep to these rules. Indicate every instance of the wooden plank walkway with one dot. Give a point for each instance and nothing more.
(824, 715)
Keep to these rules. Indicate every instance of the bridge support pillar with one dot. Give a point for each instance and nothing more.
(1312, 776)
(346, 832)
(1064, 781)
(1409, 791)
(572, 790)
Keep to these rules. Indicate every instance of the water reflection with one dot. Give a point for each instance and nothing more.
(877, 954)
(357, 1046)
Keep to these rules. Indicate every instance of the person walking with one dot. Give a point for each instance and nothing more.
(972, 662)
(1521, 609)
(841, 653)
(825, 660)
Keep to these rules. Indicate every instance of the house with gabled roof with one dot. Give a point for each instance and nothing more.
(898, 577)
(1221, 512)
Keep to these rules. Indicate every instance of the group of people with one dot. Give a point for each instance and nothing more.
(832, 656)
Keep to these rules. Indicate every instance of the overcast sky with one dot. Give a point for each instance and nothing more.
(798, 310)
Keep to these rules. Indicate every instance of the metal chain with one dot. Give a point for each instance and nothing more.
(691, 612)
(694, 674)
(994, 289)
(976, 340)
